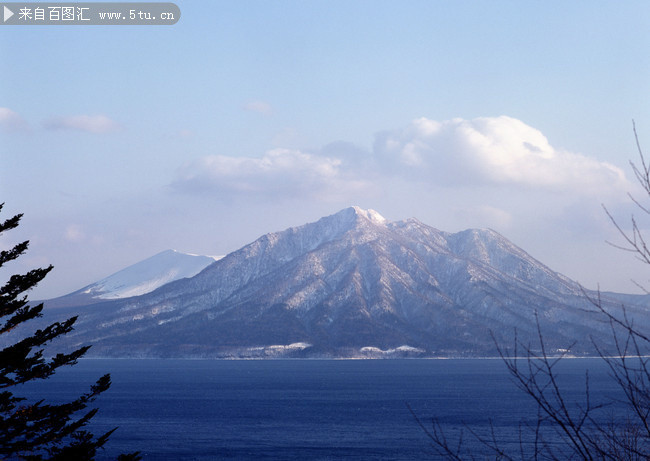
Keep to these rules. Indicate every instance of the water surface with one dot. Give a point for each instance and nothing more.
(304, 409)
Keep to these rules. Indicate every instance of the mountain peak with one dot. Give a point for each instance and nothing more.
(139, 278)
(337, 224)
(369, 214)
(347, 283)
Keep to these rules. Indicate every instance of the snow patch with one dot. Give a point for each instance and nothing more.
(401, 350)
(277, 350)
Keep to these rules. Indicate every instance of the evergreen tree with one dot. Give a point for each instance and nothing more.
(37, 430)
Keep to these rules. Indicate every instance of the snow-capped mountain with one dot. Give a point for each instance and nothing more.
(352, 284)
(138, 279)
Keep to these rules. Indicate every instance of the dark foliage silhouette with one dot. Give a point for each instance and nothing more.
(36, 430)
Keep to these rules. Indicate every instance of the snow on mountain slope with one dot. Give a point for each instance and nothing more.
(348, 283)
(147, 275)
(140, 278)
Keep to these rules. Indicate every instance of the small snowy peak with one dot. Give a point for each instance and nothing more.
(369, 214)
(145, 276)
(351, 216)
(333, 226)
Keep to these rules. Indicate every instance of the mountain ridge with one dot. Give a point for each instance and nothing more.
(352, 284)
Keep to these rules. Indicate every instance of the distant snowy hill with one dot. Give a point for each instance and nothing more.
(349, 285)
(138, 279)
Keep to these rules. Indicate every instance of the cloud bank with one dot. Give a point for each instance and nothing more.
(96, 124)
(491, 150)
(277, 172)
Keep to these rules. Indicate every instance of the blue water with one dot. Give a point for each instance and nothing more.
(305, 409)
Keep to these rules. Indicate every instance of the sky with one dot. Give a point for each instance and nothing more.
(248, 117)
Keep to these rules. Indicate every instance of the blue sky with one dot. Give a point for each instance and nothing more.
(252, 116)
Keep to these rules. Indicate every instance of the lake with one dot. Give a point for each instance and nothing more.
(305, 409)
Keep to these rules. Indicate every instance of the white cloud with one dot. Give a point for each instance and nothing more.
(96, 124)
(491, 150)
(261, 107)
(495, 153)
(277, 172)
(10, 121)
